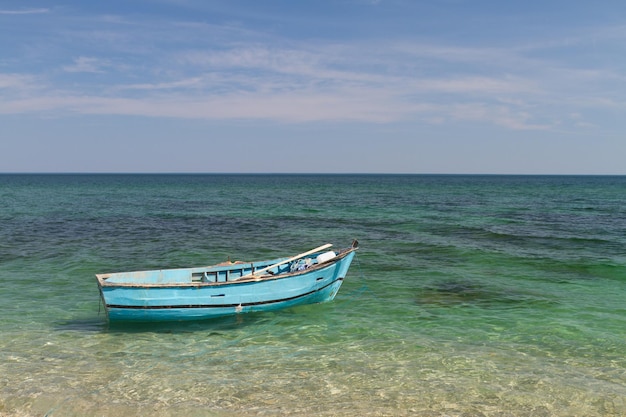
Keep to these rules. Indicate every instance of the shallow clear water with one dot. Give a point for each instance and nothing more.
(470, 295)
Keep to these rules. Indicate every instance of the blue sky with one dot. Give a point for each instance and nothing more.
(363, 86)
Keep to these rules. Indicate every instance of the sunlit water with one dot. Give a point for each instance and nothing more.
(470, 296)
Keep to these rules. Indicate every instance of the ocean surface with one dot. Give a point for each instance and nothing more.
(469, 296)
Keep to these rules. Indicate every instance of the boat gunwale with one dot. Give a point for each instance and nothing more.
(103, 283)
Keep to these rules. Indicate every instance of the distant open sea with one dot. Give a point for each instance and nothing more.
(469, 296)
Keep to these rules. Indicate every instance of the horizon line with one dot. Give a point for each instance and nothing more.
(306, 173)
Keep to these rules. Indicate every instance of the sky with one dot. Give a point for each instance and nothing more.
(325, 86)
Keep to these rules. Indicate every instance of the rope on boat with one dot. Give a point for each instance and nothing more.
(364, 288)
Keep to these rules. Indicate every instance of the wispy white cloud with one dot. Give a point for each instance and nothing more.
(194, 82)
(15, 81)
(367, 105)
(87, 64)
(477, 85)
(25, 11)
(504, 116)
(290, 108)
(284, 80)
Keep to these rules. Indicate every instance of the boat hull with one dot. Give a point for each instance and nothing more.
(178, 301)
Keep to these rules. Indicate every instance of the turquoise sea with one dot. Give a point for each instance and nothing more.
(469, 296)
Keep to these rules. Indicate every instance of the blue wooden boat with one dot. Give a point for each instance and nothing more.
(225, 289)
